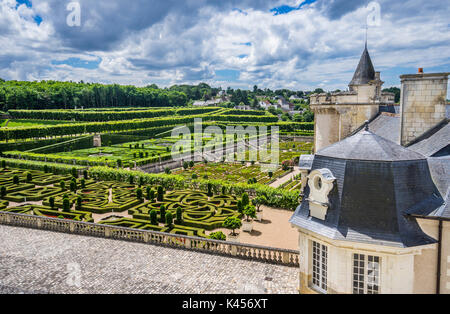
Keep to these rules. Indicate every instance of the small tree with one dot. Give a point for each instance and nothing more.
(194, 176)
(179, 214)
(232, 223)
(191, 164)
(270, 174)
(160, 196)
(85, 174)
(154, 217)
(83, 183)
(131, 179)
(185, 165)
(169, 219)
(66, 204)
(4, 164)
(51, 201)
(29, 177)
(119, 163)
(62, 184)
(141, 181)
(74, 172)
(162, 213)
(45, 168)
(258, 201)
(139, 194)
(219, 235)
(16, 179)
(239, 206)
(224, 190)
(249, 212)
(167, 171)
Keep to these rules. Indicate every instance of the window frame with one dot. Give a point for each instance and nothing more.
(362, 275)
(319, 262)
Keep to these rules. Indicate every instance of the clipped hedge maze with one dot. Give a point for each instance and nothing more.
(102, 197)
(199, 212)
(45, 211)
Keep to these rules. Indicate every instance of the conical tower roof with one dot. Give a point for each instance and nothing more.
(365, 71)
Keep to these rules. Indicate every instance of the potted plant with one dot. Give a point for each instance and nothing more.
(232, 223)
(250, 213)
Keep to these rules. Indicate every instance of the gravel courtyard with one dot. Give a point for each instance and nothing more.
(36, 261)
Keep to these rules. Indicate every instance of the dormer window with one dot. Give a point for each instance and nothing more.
(321, 182)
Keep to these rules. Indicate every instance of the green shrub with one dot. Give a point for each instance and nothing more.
(160, 194)
(169, 218)
(167, 171)
(119, 163)
(219, 235)
(139, 194)
(29, 176)
(66, 204)
(185, 165)
(16, 179)
(162, 213)
(194, 176)
(131, 179)
(73, 186)
(210, 193)
(3, 164)
(51, 201)
(85, 174)
(74, 172)
(2, 191)
(245, 200)
(83, 183)
(191, 164)
(62, 184)
(153, 217)
(179, 214)
(79, 202)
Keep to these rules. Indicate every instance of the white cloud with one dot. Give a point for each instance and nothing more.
(318, 45)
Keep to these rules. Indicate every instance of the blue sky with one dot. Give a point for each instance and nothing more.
(296, 44)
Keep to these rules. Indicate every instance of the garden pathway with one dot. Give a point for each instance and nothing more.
(37, 261)
(280, 181)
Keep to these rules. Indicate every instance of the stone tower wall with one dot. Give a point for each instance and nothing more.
(423, 102)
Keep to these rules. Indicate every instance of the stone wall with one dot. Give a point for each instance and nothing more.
(422, 104)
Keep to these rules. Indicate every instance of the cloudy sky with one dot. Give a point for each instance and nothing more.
(239, 43)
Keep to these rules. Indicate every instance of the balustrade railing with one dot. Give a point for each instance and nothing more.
(228, 248)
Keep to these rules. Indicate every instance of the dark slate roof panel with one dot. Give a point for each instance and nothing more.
(435, 143)
(365, 71)
(371, 200)
(366, 145)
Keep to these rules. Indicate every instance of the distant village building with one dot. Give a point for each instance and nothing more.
(375, 214)
(265, 104)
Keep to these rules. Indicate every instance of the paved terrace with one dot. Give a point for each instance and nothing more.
(36, 261)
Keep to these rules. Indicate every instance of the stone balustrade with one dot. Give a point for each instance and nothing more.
(232, 249)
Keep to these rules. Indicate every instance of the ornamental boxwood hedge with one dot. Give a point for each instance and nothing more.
(274, 197)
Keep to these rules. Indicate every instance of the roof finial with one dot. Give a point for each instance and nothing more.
(367, 30)
(366, 125)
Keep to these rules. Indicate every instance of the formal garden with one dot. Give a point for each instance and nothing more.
(51, 167)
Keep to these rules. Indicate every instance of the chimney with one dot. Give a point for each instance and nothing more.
(377, 76)
(422, 104)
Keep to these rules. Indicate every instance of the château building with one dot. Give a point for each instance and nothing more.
(375, 216)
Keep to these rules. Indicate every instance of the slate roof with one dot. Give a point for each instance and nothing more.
(367, 145)
(365, 71)
(438, 143)
(387, 126)
(377, 184)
